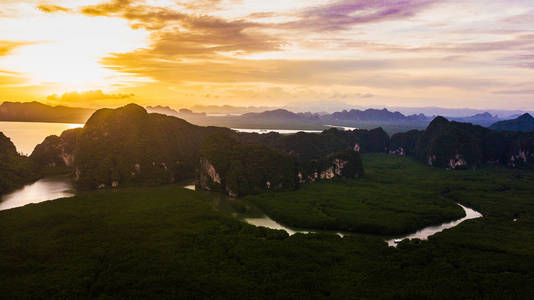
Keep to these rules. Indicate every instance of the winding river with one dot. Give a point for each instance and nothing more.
(61, 187)
(424, 233)
(257, 218)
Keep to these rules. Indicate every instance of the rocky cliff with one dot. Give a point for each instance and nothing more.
(239, 168)
(128, 146)
(56, 153)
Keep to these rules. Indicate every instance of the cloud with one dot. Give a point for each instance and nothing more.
(50, 8)
(514, 92)
(88, 97)
(188, 46)
(342, 15)
(178, 33)
(376, 73)
(8, 78)
(6, 47)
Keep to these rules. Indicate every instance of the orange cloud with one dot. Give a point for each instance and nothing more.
(6, 47)
(91, 98)
(49, 8)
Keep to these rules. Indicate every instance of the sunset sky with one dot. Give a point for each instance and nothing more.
(462, 53)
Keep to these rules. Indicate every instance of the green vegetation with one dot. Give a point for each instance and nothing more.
(396, 196)
(456, 145)
(399, 195)
(15, 169)
(127, 146)
(247, 168)
(168, 242)
(309, 146)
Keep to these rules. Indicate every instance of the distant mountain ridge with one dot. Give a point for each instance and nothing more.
(281, 114)
(484, 119)
(251, 118)
(39, 112)
(374, 115)
(523, 123)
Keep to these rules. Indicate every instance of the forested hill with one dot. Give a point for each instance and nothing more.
(458, 145)
(128, 146)
(523, 123)
(38, 112)
(15, 169)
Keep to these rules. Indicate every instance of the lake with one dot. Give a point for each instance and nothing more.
(27, 135)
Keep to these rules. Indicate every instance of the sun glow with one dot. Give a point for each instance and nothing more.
(67, 49)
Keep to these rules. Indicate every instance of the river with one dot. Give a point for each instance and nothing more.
(256, 217)
(61, 187)
(39, 191)
(424, 233)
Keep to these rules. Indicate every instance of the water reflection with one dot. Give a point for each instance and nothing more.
(190, 187)
(267, 222)
(345, 128)
(39, 191)
(247, 212)
(27, 135)
(424, 233)
(281, 131)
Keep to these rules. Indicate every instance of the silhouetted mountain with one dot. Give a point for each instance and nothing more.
(165, 110)
(279, 114)
(252, 163)
(458, 145)
(38, 112)
(523, 123)
(229, 109)
(15, 169)
(128, 146)
(373, 115)
(405, 143)
(56, 153)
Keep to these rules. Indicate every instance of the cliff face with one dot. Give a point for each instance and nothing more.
(345, 163)
(404, 143)
(15, 169)
(129, 146)
(240, 169)
(57, 151)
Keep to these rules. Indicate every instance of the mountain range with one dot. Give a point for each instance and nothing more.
(38, 112)
(392, 121)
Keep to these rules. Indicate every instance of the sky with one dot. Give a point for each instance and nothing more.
(413, 53)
